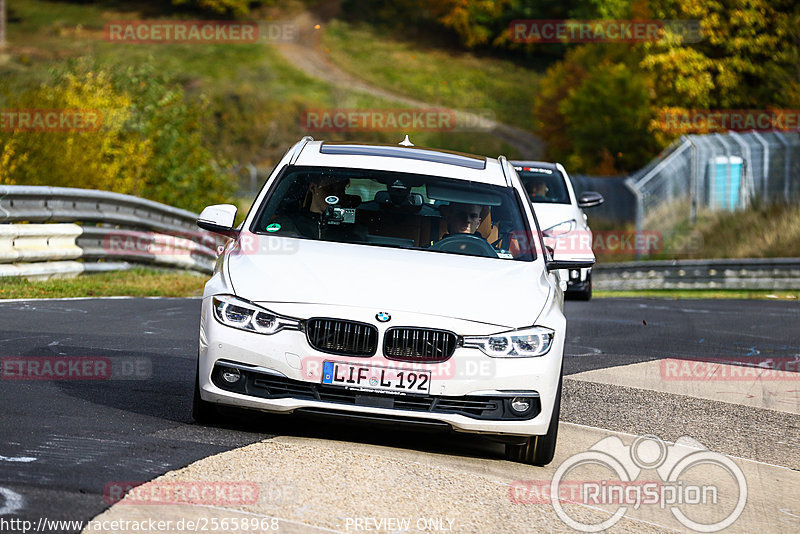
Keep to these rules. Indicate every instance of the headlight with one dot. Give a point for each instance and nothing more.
(523, 343)
(562, 228)
(239, 313)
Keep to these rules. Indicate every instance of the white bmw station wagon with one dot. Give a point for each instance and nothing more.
(390, 283)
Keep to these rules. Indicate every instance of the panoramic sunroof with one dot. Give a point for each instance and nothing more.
(462, 160)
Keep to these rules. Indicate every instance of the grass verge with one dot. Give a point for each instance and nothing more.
(701, 294)
(255, 98)
(449, 78)
(138, 282)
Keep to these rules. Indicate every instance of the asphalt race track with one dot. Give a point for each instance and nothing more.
(64, 441)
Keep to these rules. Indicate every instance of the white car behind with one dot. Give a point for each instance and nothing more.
(562, 219)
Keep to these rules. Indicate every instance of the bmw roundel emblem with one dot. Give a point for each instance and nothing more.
(383, 317)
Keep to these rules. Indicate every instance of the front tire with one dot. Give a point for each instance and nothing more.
(538, 450)
(203, 412)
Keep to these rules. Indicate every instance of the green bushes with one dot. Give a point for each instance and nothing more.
(149, 140)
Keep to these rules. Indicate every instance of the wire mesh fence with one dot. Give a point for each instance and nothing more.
(719, 172)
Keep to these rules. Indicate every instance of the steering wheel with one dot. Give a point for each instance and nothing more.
(469, 244)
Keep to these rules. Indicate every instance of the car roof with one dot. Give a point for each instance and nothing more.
(411, 159)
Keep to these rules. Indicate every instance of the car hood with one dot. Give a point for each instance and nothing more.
(501, 292)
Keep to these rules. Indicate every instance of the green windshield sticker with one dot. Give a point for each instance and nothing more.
(274, 227)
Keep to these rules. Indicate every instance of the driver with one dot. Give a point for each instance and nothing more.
(537, 189)
(462, 219)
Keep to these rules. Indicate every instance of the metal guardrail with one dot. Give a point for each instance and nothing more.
(116, 232)
(119, 231)
(749, 274)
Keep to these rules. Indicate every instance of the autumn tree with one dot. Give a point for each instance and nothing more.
(748, 57)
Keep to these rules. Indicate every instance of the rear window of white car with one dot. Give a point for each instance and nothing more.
(400, 210)
(544, 185)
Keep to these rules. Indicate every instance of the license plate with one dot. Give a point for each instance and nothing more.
(367, 377)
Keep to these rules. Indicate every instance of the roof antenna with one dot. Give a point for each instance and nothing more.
(406, 142)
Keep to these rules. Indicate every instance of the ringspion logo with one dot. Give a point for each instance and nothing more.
(584, 491)
(703, 490)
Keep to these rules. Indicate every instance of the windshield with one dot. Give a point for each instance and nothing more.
(544, 185)
(399, 210)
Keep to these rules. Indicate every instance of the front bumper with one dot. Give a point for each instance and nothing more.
(470, 392)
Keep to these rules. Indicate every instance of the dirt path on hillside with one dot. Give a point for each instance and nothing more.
(308, 55)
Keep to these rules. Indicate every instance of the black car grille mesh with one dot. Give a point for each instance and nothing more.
(419, 344)
(336, 336)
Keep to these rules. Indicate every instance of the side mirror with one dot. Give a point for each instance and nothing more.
(219, 219)
(554, 265)
(590, 199)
